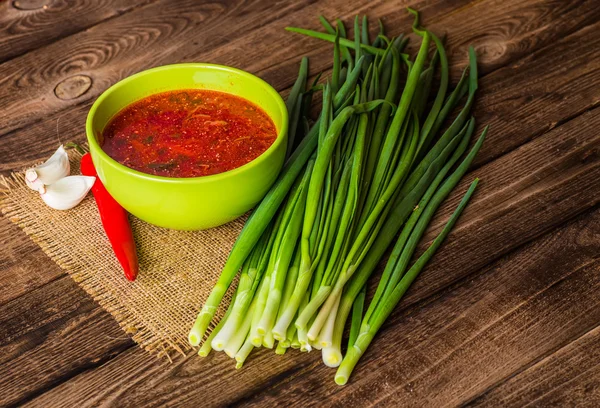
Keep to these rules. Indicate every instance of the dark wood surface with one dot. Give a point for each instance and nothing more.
(507, 313)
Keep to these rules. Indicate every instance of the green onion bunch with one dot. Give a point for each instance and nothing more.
(372, 169)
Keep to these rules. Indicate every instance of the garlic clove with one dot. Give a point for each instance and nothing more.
(34, 182)
(67, 192)
(54, 169)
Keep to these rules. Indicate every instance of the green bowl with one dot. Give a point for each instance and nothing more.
(198, 202)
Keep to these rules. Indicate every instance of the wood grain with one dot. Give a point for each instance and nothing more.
(28, 25)
(23, 264)
(495, 93)
(513, 31)
(531, 95)
(43, 136)
(522, 195)
(51, 334)
(445, 351)
(465, 322)
(518, 184)
(73, 87)
(466, 332)
(122, 46)
(570, 377)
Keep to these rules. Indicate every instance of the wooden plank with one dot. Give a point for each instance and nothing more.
(499, 37)
(568, 189)
(129, 43)
(444, 352)
(26, 25)
(512, 32)
(39, 140)
(528, 97)
(106, 66)
(553, 216)
(514, 131)
(50, 334)
(128, 379)
(568, 378)
(497, 92)
(23, 264)
(522, 195)
(538, 93)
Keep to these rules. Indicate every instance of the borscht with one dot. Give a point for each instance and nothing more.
(188, 133)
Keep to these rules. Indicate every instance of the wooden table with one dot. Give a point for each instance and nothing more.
(508, 313)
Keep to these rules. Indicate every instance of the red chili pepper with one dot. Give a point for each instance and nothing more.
(114, 220)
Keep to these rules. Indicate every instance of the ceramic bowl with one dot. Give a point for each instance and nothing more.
(198, 202)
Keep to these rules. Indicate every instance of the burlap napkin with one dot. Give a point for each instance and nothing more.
(177, 268)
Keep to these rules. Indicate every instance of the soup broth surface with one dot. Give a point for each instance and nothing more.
(188, 133)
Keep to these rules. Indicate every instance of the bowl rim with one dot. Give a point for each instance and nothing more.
(93, 143)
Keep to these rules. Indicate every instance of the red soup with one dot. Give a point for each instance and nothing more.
(188, 133)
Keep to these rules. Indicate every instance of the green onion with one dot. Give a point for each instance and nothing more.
(294, 105)
(259, 220)
(364, 172)
(314, 191)
(366, 228)
(331, 38)
(289, 233)
(366, 336)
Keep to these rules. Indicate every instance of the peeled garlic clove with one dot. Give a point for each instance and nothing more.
(55, 168)
(67, 192)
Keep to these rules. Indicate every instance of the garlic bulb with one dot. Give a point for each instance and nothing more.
(67, 192)
(54, 169)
